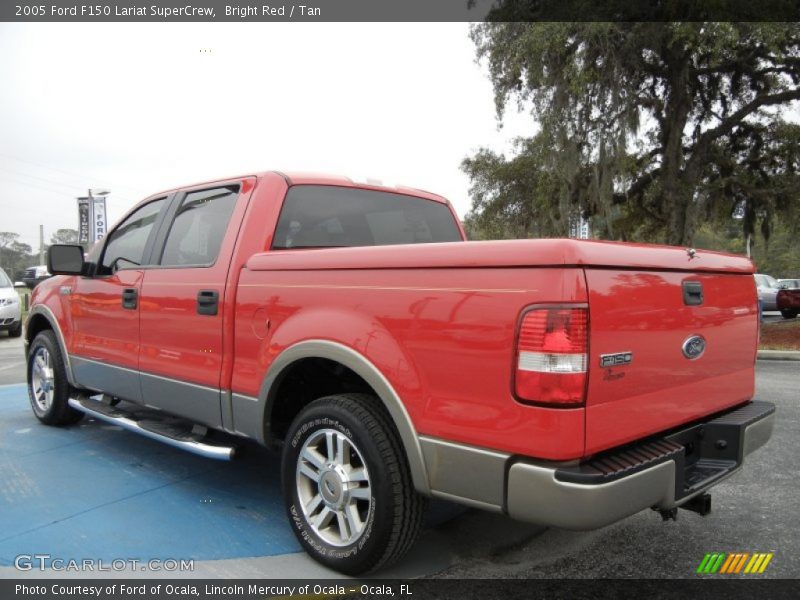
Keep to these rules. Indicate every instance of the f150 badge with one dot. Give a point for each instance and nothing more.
(693, 347)
(616, 360)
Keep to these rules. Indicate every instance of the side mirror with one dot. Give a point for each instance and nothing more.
(65, 259)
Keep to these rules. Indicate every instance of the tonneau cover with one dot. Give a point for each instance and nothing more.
(506, 253)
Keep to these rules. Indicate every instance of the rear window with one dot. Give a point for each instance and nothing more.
(323, 216)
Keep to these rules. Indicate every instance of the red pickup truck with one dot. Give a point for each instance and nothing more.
(564, 382)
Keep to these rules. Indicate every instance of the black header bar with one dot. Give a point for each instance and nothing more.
(397, 10)
(387, 589)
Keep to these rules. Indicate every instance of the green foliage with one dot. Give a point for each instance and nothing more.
(511, 197)
(64, 236)
(647, 128)
(15, 256)
(779, 256)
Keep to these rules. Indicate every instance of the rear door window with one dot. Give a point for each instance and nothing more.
(320, 216)
(199, 227)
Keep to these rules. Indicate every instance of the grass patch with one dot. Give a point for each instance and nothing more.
(780, 335)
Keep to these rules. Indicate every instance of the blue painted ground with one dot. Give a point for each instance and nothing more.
(94, 490)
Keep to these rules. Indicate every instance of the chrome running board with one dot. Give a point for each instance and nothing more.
(155, 426)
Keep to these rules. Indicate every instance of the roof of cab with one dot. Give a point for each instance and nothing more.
(308, 178)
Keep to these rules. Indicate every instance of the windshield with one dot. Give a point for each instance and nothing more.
(4, 280)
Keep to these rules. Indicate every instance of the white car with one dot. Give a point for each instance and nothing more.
(10, 309)
(767, 287)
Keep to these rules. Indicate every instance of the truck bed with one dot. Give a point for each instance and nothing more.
(440, 322)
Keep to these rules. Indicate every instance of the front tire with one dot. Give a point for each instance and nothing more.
(48, 387)
(347, 485)
(789, 313)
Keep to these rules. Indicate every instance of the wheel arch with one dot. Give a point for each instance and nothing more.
(41, 318)
(263, 409)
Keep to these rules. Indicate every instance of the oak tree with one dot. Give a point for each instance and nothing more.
(646, 128)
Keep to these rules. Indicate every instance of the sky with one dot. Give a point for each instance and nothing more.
(137, 108)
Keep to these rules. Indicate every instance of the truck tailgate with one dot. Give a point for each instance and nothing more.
(643, 319)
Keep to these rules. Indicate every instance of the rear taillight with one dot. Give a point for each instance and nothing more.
(552, 356)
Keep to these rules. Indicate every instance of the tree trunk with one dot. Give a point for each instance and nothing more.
(676, 195)
(677, 218)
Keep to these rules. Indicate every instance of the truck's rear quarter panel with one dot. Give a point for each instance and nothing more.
(444, 338)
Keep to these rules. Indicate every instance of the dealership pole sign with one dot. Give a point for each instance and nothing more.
(99, 223)
(84, 221)
(92, 219)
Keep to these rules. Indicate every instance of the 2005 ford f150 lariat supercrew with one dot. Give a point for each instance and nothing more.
(563, 382)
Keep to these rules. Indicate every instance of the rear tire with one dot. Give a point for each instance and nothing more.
(48, 386)
(789, 313)
(347, 485)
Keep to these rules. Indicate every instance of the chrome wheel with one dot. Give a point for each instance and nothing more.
(333, 486)
(42, 379)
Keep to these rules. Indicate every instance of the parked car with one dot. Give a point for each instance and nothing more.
(789, 284)
(352, 328)
(767, 287)
(10, 308)
(34, 275)
(788, 302)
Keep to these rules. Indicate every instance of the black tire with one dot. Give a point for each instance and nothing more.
(16, 332)
(390, 520)
(57, 411)
(789, 313)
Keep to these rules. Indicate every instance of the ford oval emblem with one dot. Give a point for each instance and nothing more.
(694, 347)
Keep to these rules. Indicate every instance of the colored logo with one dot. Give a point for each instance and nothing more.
(734, 563)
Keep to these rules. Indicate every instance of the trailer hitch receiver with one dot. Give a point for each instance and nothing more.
(701, 504)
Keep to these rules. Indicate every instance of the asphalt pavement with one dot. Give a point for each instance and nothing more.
(754, 511)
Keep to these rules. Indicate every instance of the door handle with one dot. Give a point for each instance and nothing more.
(692, 293)
(207, 302)
(129, 298)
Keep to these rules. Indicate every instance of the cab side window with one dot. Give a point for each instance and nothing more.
(125, 245)
(199, 227)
